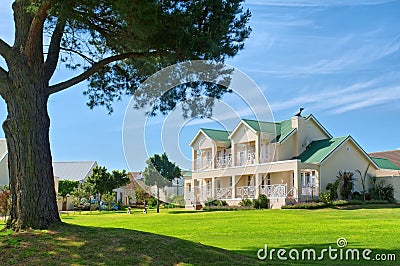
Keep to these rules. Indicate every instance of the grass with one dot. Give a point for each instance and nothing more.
(200, 238)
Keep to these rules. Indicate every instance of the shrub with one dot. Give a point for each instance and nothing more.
(178, 200)
(261, 203)
(357, 196)
(380, 191)
(325, 197)
(332, 188)
(152, 202)
(5, 202)
(246, 203)
(215, 202)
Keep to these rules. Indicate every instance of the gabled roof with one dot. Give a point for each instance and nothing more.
(217, 135)
(393, 156)
(286, 130)
(384, 163)
(319, 124)
(214, 134)
(3, 148)
(74, 171)
(318, 150)
(261, 126)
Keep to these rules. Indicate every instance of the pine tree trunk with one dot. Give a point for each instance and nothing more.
(29, 157)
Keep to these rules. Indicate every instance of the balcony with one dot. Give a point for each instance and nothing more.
(223, 193)
(274, 191)
(246, 192)
(224, 161)
(250, 158)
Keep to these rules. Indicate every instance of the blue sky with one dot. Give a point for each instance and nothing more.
(340, 60)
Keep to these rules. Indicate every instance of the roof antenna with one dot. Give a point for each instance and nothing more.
(299, 113)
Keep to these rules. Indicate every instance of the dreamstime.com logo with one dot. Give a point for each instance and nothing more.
(338, 252)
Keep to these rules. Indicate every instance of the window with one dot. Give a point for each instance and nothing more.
(269, 180)
(230, 182)
(208, 157)
(262, 180)
(266, 151)
(249, 181)
(190, 187)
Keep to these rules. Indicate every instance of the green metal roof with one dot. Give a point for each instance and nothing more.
(261, 126)
(282, 129)
(318, 150)
(218, 135)
(286, 130)
(384, 163)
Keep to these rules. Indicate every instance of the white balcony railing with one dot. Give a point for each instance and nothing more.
(246, 192)
(223, 193)
(224, 161)
(274, 191)
(310, 191)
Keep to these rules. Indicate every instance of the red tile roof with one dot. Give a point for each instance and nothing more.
(393, 156)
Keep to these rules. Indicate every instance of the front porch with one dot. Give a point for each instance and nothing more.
(280, 187)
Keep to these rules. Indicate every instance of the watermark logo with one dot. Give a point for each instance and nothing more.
(338, 252)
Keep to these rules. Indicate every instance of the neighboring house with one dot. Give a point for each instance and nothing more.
(3, 163)
(393, 156)
(73, 171)
(288, 161)
(392, 159)
(127, 193)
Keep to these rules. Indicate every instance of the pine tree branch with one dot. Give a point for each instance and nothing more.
(34, 41)
(3, 80)
(5, 50)
(54, 50)
(96, 67)
(86, 58)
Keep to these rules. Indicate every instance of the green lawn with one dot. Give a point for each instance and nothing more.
(177, 236)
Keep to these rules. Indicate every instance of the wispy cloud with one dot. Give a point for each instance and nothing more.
(341, 100)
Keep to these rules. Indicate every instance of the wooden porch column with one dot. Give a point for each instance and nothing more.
(297, 181)
(258, 184)
(233, 187)
(213, 187)
(194, 159)
(233, 152)
(213, 155)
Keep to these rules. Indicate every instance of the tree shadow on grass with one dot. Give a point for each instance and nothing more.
(344, 257)
(66, 244)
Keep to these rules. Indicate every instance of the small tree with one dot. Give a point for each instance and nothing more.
(5, 202)
(346, 182)
(102, 182)
(160, 172)
(66, 187)
(108, 198)
(78, 194)
(363, 179)
(141, 195)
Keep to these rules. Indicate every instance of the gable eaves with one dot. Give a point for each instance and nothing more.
(237, 128)
(350, 138)
(320, 125)
(288, 136)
